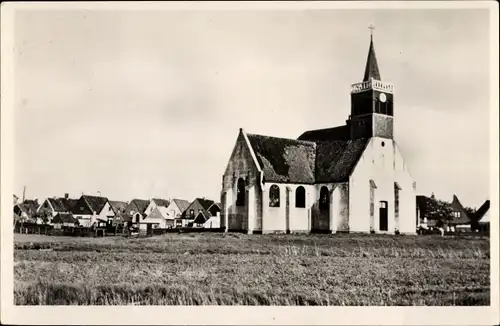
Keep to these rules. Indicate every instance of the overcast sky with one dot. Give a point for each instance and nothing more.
(142, 104)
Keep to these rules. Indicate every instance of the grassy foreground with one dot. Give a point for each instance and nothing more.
(235, 269)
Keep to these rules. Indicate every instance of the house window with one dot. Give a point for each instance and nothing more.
(456, 214)
(240, 192)
(274, 196)
(324, 199)
(300, 197)
(191, 213)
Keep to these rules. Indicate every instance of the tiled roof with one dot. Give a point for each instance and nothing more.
(284, 160)
(335, 160)
(58, 205)
(480, 213)
(200, 218)
(329, 134)
(463, 218)
(96, 203)
(205, 203)
(64, 218)
(118, 206)
(28, 206)
(161, 202)
(141, 204)
(181, 204)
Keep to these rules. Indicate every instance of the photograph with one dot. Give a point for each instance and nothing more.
(279, 154)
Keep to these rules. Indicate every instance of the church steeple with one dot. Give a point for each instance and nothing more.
(371, 70)
(372, 102)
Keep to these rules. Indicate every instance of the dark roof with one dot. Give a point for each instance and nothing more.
(28, 206)
(161, 202)
(96, 203)
(371, 69)
(335, 160)
(200, 218)
(67, 203)
(141, 204)
(482, 211)
(284, 160)
(58, 205)
(336, 133)
(205, 203)
(118, 206)
(463, 217)
(181, 204)
(64, 218)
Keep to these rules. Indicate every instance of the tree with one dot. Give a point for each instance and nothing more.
(44, 214)
(438, 210)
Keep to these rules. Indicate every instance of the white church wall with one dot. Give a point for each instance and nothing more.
(340, 208)
(275, 218)
(382, 163)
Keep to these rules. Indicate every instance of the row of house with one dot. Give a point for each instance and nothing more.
(461, 219)
(89, 211)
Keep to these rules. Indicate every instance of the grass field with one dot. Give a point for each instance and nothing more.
(236, 269)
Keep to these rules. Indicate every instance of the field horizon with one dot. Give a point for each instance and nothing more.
(240, 269)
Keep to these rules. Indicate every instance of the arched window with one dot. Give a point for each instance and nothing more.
(324, 198)
(274, 196)
(240, 192)
(300, 197)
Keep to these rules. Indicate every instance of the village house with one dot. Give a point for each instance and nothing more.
(93, 211)
(55, 205)
(482, 217)
(119, 208)
(351, 178)
(210, 219)
(135, 212)
(197, 206)
(64, 219)
(26, 211)
(176, 208)
(154, 203)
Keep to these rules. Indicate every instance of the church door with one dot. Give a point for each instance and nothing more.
(383, 216)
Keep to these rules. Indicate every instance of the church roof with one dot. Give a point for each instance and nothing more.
(335, 160)
(299, 161)
(336, 133)
(284, 160)
(371, 70)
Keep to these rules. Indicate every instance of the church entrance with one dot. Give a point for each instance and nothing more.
(384, 223)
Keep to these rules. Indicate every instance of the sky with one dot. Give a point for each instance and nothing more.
(141, 104)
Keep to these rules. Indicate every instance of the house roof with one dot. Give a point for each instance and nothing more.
(58, 204)
(140, 204)
(200, 218)
(161, 202)
(335, 160)
(118, 206)
(371, 69)
(205, 203)
(463, 217)
(64, 218)
(336, 133)
(95, 203)
(482, 211)
(284, 160)
(181, 204)
(28, 206)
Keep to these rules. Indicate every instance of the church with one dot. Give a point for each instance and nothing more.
(350, 178)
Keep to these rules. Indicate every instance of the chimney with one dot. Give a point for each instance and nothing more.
(66, 195)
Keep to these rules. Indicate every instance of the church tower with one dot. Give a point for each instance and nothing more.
(372, 103)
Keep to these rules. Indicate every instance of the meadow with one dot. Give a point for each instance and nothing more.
(238, 269)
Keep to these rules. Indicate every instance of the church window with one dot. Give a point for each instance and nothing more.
(274, 196)
(240, 192)
(324, 199)
(383, 144)
(300, 197)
